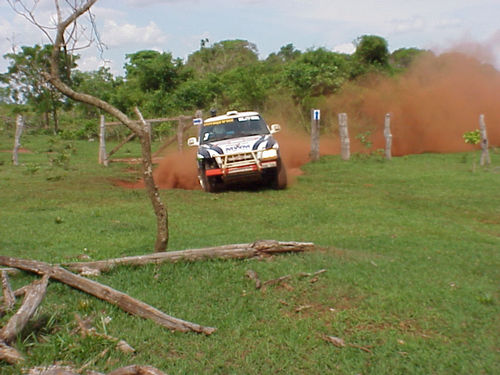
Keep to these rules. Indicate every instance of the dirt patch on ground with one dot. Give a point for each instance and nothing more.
(20, 151)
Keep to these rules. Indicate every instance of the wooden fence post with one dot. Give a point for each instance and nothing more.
(388, 136)
(17, 139)
(149, 129)
(345, 143)
(315, 116)
(103, 158)
(180, 134)
(485, 154)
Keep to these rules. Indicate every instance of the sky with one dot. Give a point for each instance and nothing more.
(178, 26)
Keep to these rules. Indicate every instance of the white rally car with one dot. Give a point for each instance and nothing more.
(238, 147)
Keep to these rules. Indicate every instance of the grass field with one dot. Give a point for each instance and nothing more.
(411, 248)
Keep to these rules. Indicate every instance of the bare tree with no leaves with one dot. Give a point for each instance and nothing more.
(66, 36)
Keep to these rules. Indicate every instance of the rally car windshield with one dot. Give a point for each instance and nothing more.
(233, 128)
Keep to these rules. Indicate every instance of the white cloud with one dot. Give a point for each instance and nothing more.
(447, 23)
(147, 3)
(409, 25)
(348, 48)
(92, 62)
(115, 35)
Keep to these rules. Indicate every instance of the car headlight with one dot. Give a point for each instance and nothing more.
(269, 154)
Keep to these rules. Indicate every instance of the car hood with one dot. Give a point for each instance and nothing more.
(237, 146)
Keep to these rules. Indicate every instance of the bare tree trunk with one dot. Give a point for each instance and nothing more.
(54, 78)
(158, 206)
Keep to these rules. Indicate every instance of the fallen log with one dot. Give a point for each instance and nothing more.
(9, 354)
(128, 370)
(237, 251)
(9, 300)
(18, 292)
(122, 300)
(10, 271)
(32, 299)
(137, 370)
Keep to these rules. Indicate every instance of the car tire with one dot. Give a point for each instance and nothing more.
(279, 180)
(208, 184)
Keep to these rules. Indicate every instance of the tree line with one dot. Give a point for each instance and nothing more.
(223, 75)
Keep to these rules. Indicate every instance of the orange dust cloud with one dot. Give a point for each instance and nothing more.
(178, 171)
(432, 104)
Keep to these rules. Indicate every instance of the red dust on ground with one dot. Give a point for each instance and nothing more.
(178, 171)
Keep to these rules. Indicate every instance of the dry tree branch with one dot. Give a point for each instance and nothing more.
(29, 15)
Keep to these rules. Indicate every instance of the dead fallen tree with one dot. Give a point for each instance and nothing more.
(35, 292)
(9, 298)
(122, 300)
(236, 251)
(10, 354)
(128, 370)
(32, 299)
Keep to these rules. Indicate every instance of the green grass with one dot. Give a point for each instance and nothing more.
(411, 249)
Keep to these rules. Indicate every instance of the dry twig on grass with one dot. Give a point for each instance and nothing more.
(281, 280)
(252, 275)
(340, 343)
(276, 281)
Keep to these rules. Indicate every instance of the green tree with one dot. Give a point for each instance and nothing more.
(222, 56)
(316, 73)
(100, 83)
(372, 54)
(402, 58)
(151, 78)
(153, 70)
(245, 87)
(372, 50)
(27, 84)
(198, 93)
(286, 54)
